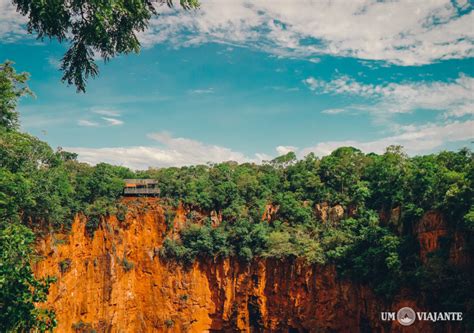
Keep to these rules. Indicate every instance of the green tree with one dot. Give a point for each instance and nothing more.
(387, 178)
(20, 152)
(284, 160)
(91, 27)
(14, 195)
(12, 87)
(280, 245)
(341, 172)
(302, 178)
(34, 182)
(292, 210)
(368, 253)
(19, 289)
(106, 181)
(247, 239)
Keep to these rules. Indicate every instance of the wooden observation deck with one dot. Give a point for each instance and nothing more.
(141, 187)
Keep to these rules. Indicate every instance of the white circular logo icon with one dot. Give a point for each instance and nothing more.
(406, 316)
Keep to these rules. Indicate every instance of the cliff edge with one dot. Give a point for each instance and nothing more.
(116, 281)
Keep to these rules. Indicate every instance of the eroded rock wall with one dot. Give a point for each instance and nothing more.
(116, 282)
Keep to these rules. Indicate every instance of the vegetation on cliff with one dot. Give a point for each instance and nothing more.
(19, 289)
(364, 246)
(43, 189)
(40, 189)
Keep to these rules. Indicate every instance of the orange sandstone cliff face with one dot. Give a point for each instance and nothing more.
(430, 230)
(116, 282)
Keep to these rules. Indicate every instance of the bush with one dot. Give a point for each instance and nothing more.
(81, 327)
(170, 214)
(173, 249)
(280, 245)
(65, 265)
(127, 265)
(368, 253)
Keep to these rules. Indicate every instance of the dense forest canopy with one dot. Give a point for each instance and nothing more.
(42, 189)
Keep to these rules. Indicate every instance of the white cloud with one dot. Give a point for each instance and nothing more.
(55, 63)
(415, 139)
(107, 117)
(333, 111)
(283, 150)
(174, 151)
(453, 99)
(12, 24)
(106, 112)
(202, 91)
(400, 32)
(106, 121)
(283, 88)
(403, 32)
(87, 123)
(113, 121)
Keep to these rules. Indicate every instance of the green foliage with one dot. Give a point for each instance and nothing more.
(280, 245)
(121, 211)
(65, 265)
(24, 153)
(341, 173)
(292, 210)
(242, 239)
(173, 249)
(14, 194)
(12, 87)
(82, 327)
(170, 214)
(284, 160)
(448, 287)
(363, 247)
(386, 175)
(247, 239)
(105, 28)
(469, 220)
(301, 241)
(97, 210)
(49, 187)
(127, 265)
(367, 253)
(169, 323)
(19, 289)
(29, 169)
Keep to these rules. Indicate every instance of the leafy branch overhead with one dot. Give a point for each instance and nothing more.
(93, 28)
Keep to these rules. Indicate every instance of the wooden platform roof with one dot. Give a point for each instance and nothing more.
(140, 181)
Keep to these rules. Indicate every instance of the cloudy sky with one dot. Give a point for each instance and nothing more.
(250, 80)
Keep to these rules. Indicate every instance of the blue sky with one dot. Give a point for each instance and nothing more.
(249, 81)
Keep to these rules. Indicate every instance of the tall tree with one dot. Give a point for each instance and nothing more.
(12, 87)
(22, 157)
(92, 27)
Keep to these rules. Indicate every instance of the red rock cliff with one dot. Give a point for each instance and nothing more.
(116, 282)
